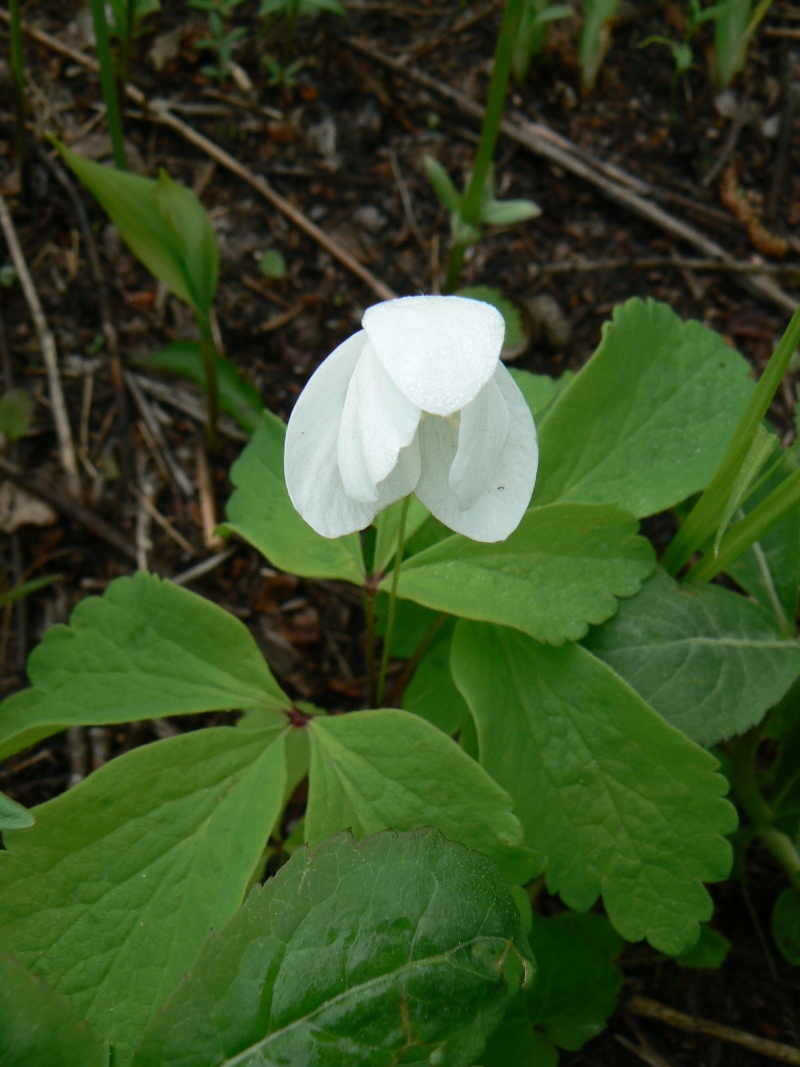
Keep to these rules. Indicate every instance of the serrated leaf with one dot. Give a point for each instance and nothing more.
(375, 770)
(710, 661)
(261, 512)
(616, 800)
(560, 570)
(646, 421)
(710, 951)
(576, 990)
(237, 397)
(786, 925)
(352, 954)
(145, 649)
(37, 1028)
(14, 816)
(110, 896)
(432, 693)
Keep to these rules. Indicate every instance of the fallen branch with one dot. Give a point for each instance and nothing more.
(589, 266)
(626, 190)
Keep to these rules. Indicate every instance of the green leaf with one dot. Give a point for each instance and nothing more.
(710, 951)
(576, 990)
(237, 396)
(760, 450)
(167, 230)
(710, 661)
(110, 896)
(432, 693)
(595, 39)
(271, 264)
(646, 421)
(374, 770)
(508, 212)
(540, 390)
(16, 414)
(13, 816)
(442, 184)
(786, 925)
(25, 589)
(261, 512)
(512, 316)
(560, 570)
(617, 801)
(145, 649)
(37, 1028)
(349, 955)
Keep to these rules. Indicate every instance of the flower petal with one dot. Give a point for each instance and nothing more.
(438, 350)
(311, 464)
(507, 489)
(482, 432)
(377, 423)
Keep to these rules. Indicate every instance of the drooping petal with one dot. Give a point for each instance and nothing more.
(403, 479)
(311, 463)
(507, 488)
(482, 432)
(438, 350)
(377, 423)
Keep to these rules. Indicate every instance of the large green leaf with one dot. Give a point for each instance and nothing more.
(646, 421)
(146, 648)
(710, 661)
(432, 692)
(261, 512)
(111, 894)
(375, 770)
(351, 954)
(560, 570)
(37, 1028)
(576, 990)
(617, 801)
(13, 816)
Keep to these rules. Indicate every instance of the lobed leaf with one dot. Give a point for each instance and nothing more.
(560, 570)
(646, 421)
(144, 649)
(617, 801)
(367, 954)
(111, 894)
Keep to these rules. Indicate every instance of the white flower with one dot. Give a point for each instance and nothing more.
(418, 401)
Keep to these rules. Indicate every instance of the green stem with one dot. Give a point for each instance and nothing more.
(209, 356)
(702, 521)
(501, 71)
(125, 44)
(387, 639)
(18, 72)
(411, 665)
(370, 595)
(108, 81)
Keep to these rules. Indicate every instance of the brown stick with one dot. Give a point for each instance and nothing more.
(651, 1009)
(588, 266)
(35, 485)
(160, 112)
(545, 143)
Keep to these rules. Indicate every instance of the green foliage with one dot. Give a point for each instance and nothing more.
(261, 512)
(442, 934)
(141, 9)
(711, 662)
(643, 830)
(738, 20)
(540, 390)
(145, 649)
(237, 396)
(710, 951)
(432, 693)
(37, 1028)
(786, 925)
(300, 8)
(559, 571)
(223, 39)
(185, 821)
(636, 427)
(576, 990)
(271, 264)
(13, 816)
(536, 17)
(491, 212)
(595, 39)
(16, 414)
(515, 330)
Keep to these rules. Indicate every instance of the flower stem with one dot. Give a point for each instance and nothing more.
(495, 103)
(209, 355)
(387, 640)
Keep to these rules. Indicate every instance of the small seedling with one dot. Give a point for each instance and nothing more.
(738, 20)
(223, 40)
(536, 17)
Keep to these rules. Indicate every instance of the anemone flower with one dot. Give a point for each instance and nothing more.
(418, 401)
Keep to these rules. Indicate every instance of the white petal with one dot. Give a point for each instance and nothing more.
(438, 350)
(311, 464)
(507, 490)
(377, 423)
(482, 432)
(403, 479)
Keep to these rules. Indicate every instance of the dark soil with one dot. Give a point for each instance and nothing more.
(345, 146)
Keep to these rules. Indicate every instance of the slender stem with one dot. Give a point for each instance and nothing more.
(701, 522)
(209, 356)
(495, 103)
(18, 72)
(126, 37)
(370, 595)
(387, 640)
(108, 81)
